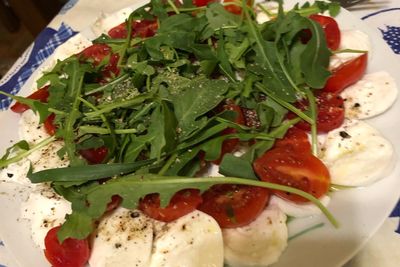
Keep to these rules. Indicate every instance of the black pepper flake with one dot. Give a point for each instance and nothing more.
(134, 214)
(344, 134)
(117, 245)
(10, 175)
(357, 105)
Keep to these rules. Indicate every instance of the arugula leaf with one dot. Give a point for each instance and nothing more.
(315, 58)
(86, 173)
(132, 188)
(236, 167)
(198, 97)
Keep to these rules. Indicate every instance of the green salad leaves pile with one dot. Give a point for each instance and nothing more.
(161, 110)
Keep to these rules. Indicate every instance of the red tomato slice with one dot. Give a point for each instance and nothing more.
(41, 94)
(295, 139)
(330, 112)
(299, 170)
(114, 203)
(229, 145)
(203, 2)
(49, 124)
(234, 8)
(71, 253)
(234, 205)
(346, 74)
(182, 203)
(331, 30)
(144, 28)
(94, 155)
(95, 52)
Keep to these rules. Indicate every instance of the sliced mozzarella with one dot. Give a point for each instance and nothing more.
(299, 210)
(123, 238)
(45, 209)
(16, 172)
(258, 244)
(350, 39)
(109, 21)
(262, 16)
(356, 154)
(194, 240)
(370, 96)
(30, 129)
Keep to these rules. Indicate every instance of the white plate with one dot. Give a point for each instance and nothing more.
(359, 211)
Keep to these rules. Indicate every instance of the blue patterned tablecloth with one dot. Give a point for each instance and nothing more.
(382, 14)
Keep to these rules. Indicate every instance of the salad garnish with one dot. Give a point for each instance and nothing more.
(163, 94)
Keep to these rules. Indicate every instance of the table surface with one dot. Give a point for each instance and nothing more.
(383, 249)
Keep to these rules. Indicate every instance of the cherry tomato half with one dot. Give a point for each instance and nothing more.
(203, 2)
(144, 28)
(94, 155)
(295, 139)
(114, 203)
(41, 94)
(236, 9)
(234, 205)
(71, 253)
(346, 74)
(330, 112)
(96, 53)
(49, 124)
(182, 203)
(299, 170)
(331, 30)
(229, 145)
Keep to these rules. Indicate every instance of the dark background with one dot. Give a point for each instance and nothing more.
(20, 22)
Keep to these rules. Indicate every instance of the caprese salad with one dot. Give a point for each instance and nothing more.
(186, 134)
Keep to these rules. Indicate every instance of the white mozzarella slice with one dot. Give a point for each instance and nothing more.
(262, 17)
(123, 238)
(109, 21)
(47, 158)
(31, 131)
(16, 172)
(29, 128)
(372, 95)
(194, 240)
(356, 154)
(258, 244)
(299, 210)
(45, 209)
(350, 39)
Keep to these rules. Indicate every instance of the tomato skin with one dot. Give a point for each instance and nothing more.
(292, 168)
(200, 3)
(295, 139)
(234, 205)
(114, 203)
(71, 253)
(182, 203)
(229, 145)
(330, 112)
(347, 74)
(331, 30)
(94, 155)
(234, 8)
(144, 28)
(41, 94)
(49, 126)
(95, 52)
